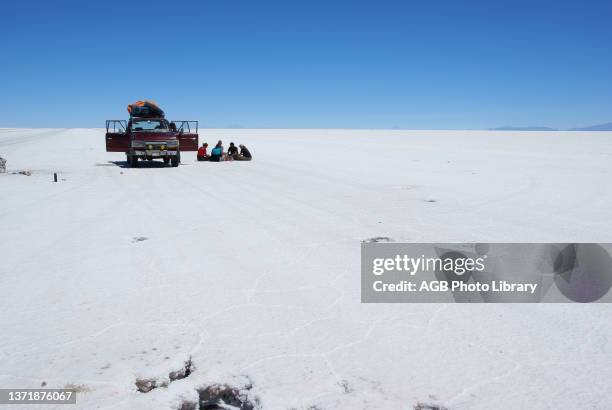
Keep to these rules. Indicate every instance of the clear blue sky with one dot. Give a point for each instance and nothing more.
(341, 64)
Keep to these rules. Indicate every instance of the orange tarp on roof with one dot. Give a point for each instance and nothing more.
(143, 103)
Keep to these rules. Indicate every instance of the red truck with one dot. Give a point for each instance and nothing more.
(143, 138)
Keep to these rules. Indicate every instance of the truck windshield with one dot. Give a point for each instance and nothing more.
(150, 125)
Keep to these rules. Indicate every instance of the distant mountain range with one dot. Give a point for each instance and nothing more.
(601, 127)
(529, 128)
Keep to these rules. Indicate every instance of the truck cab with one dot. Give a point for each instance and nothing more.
(146, 139)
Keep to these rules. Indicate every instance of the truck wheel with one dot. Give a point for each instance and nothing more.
(176, 160)
(166, 160)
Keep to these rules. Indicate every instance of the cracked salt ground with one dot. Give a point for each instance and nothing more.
(423, 406)
(268, 289)
(220, 397)
(146, 384)
(378, 239)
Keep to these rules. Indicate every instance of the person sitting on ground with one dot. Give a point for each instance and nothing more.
(202, 155)
(217, 152)
(232, 150)
(245, 154)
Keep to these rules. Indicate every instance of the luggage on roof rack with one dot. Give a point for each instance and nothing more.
(146, 109)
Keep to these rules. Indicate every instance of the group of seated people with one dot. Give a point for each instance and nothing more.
(218, 154)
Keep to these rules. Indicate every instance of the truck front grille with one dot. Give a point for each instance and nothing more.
(156, 145)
